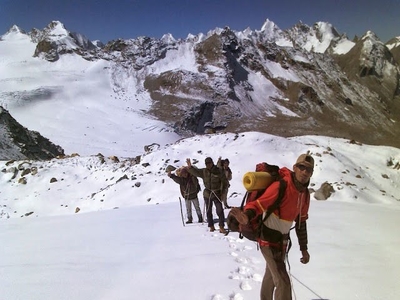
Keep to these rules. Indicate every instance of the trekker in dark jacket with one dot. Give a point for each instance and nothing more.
(223, 164)
(275, 230)
(189, 187)
(215, 183)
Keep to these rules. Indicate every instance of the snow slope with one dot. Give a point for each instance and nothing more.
(127, 241)
(73, 103)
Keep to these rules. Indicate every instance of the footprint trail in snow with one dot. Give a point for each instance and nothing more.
(247, 270)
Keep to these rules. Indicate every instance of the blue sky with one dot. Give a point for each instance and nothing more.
(112, 19)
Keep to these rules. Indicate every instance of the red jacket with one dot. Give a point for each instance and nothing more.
(294, 204)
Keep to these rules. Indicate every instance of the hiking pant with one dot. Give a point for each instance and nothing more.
(196, 205)
(218, 207)
(275, 277)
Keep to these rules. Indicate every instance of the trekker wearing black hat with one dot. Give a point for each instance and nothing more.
(215, 183)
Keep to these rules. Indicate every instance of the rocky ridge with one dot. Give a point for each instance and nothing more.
(20, 143)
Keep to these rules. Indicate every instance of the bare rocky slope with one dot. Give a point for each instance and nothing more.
(353, 95)
(17, 142)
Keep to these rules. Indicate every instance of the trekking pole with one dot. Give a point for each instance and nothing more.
(180, 205)
(204, 211)
(319, 297)
(216, 197)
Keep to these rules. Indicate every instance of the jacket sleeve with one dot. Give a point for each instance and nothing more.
(305, 207)
(301, 232)
(265, 200)
(196, 172)
(175, 178)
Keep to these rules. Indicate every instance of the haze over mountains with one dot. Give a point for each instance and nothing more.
(304, 80)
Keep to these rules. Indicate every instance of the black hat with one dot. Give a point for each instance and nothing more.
(209, 160)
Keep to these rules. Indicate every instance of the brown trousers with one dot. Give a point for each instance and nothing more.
(276, 278)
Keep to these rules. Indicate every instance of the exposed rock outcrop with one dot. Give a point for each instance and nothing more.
(19, 143)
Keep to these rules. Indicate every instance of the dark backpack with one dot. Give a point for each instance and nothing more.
(252, 231)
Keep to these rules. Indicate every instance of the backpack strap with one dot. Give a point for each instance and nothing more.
(244, 200)
(278, 201)
(275, 205)
(271, 208)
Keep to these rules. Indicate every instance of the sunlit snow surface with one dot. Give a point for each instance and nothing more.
(127, 241)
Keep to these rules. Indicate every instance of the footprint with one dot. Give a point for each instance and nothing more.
(245, 285)
(257, 277)
(236, 297)
(234, 254)
(255, 260)
(217, 297)
(230, 238)
(243, 270)
(236, 276)
(242, 260)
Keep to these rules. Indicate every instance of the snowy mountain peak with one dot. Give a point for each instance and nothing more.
(195, 38)
(269, 27)
(14, 33)
(393, 43)
(168, 38)
(216, 31)
(372, 47)
(326, 29)
(369, 35)
(320, 38)
(55, 39)
(55, 31)
(16, 29)
(271, 32)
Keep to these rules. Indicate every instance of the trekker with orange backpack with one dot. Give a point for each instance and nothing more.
(274, 232)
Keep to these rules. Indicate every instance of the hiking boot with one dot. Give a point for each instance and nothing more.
(200, 220)
(189, 222)
(222, 229)
(212, 228)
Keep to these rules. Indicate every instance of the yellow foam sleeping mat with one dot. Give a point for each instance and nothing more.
(254, 181)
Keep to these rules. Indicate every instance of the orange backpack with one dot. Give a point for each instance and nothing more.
(256, 183)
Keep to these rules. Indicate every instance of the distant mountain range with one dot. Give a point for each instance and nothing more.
(301, 81)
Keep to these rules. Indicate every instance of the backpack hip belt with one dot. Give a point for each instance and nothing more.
(280, 245)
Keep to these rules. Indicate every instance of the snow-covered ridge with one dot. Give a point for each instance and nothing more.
(94, 181)
(317, 38)
(393, 43)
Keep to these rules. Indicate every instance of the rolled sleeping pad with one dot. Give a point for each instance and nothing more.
(254, 181)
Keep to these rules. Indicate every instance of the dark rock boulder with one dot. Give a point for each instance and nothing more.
(18, 142)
